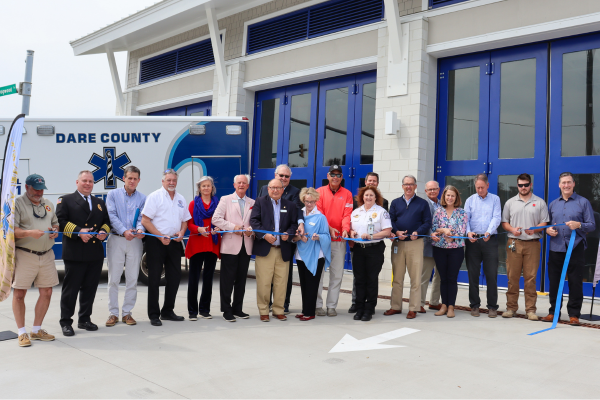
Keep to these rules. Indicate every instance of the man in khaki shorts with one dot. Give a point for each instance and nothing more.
(34, 258)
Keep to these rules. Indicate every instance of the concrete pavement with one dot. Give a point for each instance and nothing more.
(464, 357)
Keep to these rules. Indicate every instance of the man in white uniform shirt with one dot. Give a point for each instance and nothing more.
(165, 214)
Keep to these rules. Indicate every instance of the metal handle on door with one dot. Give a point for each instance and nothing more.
(490, 169)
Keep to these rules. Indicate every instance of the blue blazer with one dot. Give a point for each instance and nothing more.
(262, 219)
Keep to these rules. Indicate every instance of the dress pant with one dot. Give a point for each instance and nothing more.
(271, 269)
(209, 261)
(575, 271)
(288, 291)
(81, 278)
(475, 254)
(366, 266)
(336, 273)
(123, 254)
(309, 286)
(234, 271)
(428, 268)
(525, 259)
(407, 255)
(448, 263)
(157, 256)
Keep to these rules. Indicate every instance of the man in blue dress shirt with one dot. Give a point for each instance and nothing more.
(576, 213)
(483, 210)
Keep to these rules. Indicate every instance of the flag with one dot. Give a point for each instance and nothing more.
(8, 190)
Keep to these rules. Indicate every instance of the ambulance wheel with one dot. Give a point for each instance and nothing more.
(143, 276)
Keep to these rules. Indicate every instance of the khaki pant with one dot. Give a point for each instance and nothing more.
(525, 259)
(271, 269)
(336, 274)
(434, 297)
(31, 268)
(407, 256)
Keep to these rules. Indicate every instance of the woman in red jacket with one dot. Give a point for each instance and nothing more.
(202, 248)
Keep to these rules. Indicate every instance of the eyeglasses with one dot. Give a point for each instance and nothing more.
(335, 175)
(310, 202)
(409, 184)
(432, 190)
(522, 185)
(39, 216)
(284, 176)
(276, 187)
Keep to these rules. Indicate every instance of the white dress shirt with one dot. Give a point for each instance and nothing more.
(376, 215)
(167, 215)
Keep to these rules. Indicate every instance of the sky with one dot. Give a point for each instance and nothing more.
(63, 85)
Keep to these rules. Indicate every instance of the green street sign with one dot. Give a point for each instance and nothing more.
(6, 90)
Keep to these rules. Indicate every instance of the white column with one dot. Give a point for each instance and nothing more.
(222, 72)
(114, 73)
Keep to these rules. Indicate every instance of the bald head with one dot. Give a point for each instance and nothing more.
(432, 189)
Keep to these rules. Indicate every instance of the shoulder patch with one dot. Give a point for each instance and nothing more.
(59, 200)
(386, 215)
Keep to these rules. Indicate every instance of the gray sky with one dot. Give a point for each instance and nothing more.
(63, 85)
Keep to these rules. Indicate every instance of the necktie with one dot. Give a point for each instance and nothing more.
(86, 200)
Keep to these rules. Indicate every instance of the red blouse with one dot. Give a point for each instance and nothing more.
(198, 243)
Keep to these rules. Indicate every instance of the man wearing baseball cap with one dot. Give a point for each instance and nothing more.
(34, 258)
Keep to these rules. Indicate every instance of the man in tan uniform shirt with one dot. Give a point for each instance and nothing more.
(34, 258)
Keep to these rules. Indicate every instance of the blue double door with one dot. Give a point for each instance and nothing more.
(313, 126)
(525, 109)
(492, 120)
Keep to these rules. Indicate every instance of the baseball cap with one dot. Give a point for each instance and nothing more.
(335, 168)
(36, 181)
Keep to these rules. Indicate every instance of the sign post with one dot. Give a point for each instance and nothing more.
(26, 85)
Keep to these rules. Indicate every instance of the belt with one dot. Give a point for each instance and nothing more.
(37, 253)
(524, 240)
(363, 245)
(278, 246)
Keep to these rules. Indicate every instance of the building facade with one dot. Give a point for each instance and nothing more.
(439, 89)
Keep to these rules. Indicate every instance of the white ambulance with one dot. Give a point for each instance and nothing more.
(58, 148)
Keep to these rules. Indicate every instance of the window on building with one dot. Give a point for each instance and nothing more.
(442, 3)
(321, 19)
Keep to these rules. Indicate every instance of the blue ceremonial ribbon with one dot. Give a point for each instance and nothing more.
(561, 285)
(135, 218)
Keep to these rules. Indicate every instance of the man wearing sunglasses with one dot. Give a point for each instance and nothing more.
(523, 247)
(34, 258)
(283, 173)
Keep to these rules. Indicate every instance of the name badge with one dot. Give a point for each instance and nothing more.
(234, 201)
(283, 210)
(311, 223)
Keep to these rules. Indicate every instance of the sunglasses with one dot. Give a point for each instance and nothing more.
(283, 176)
(39, 216)
(522, 185)
(335, 175)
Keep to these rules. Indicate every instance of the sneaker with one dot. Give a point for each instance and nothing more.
(24, 340)
(475, 312)
(205, 315)
(509, 314)
(41, 335)
(492, 313)
(112, 320)
(331, 312)
(128, 319)
(319, 312)
(193, 318)
(241, 315)
(532, 317)
(229, 317)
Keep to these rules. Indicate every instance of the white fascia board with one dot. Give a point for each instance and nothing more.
(511, 37)
(143, 118)
(176, 102)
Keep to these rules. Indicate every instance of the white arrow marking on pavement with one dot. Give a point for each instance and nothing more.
(349, 343)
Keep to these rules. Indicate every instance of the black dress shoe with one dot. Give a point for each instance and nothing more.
(241, 314)
(367, 316)
(88, 326)
(229, 317)
(171, 317)
(68, 330)
(352, 309)
(155, 322)
(358, 315)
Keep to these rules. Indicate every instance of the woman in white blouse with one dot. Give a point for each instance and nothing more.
(371, 223)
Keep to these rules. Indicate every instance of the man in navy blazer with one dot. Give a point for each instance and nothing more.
(292, 193)
(273, 252)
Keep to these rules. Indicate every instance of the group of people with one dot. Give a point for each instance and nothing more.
(429, 236)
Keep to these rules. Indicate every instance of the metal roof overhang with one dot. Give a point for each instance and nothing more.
(157, 22)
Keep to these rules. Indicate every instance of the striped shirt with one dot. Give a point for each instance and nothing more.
(122, 208)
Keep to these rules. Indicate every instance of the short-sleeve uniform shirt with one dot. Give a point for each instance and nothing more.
(376, 215)
(519, 213)
(167, 215)
(25, 219)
